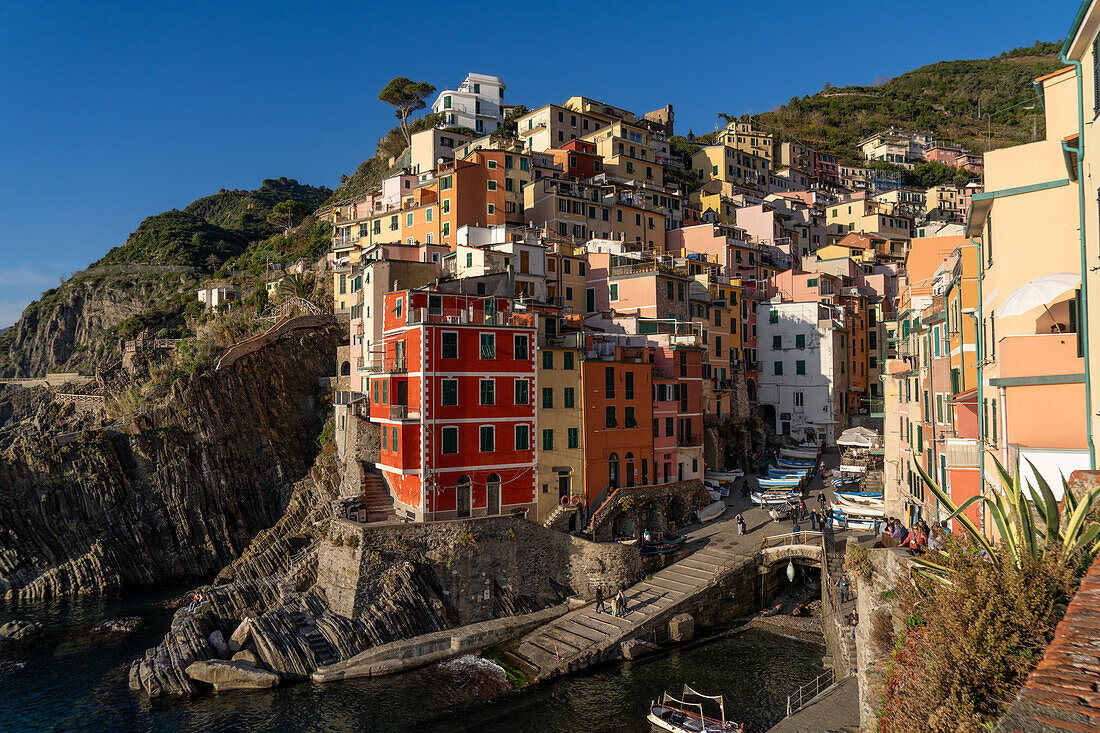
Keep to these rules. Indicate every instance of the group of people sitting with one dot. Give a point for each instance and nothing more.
(918, 539)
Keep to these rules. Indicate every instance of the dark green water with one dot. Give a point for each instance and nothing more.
(72, 680)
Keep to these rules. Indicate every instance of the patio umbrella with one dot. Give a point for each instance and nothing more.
(1038, 292)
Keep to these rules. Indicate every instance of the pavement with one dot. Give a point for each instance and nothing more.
(834, 711)
(584, 634)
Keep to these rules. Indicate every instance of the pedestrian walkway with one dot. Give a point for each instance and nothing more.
(834, 711)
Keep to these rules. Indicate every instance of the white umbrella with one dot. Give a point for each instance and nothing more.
(1038, 292)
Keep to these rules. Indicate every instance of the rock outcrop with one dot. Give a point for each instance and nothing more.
(19, 630)
(181, 492)
(229, 675)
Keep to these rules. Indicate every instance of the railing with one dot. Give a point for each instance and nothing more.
(150, 344)
(687, 439)
(794, 538)
(807, 692)
(404, 412)
(394, 365)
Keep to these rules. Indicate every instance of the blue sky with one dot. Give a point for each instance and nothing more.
(112, 111)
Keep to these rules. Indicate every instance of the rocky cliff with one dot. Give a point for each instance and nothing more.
(177, 492)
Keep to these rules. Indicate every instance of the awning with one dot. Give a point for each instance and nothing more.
(857, 437)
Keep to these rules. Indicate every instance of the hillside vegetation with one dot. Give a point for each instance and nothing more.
(942, 98)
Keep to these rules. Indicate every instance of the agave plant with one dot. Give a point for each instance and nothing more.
(1021, 536)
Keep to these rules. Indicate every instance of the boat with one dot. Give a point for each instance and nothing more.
(853, 509)
(773, 610)
(774, 498)
(844, 521)
(788, 463)
(860, 494)
(714, 494)
(730, 475)
(777, 483)
(780, 472)
(686, 715)
(663, 547)
(806, 455)
(712, 512)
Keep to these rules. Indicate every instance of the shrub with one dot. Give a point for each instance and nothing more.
(857, 562)
(337, 540)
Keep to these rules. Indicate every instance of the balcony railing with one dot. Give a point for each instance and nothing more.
(686, 439)
(404, 412)
(390, 365)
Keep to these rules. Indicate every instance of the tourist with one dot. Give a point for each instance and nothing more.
(813, 521)
(853, 622)
(901, 534)
(620, 603)
(740, 524)
(845, 587)
(599, 600)
(646, 536)
(821, 500)
(801, 509)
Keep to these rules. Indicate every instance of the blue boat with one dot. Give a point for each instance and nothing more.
(779, 483)
(861, 494)
(789, 463)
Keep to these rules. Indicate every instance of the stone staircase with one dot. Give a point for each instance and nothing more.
(584, 637)
(377, 494)
(323, 651)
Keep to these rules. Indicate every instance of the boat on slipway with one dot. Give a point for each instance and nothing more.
(731, 475)
(712, 511)
(841, 520)
(789, 463)
(775, 498)
(776, 483)
(805, 455)
(686, 715)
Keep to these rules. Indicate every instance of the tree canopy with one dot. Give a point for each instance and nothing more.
(406, 96)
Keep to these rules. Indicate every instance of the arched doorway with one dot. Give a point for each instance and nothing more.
(493, 495)
(750, 387)
(345, 369)
(464, 499)
(629, 469)
(613, 471)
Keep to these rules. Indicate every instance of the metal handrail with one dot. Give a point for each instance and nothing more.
(818, 686)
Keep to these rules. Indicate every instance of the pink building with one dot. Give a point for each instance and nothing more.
(942, 154)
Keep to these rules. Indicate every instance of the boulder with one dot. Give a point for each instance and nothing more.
(217, 640)
(244, 656)
(19, 630)
(225, 675)
(240, 636)
(118, 625)
(635, 648)
(681, 627)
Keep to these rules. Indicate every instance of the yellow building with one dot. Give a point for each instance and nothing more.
(628, 152)
(724, 210)
(736, 171)
(749, 138)
(558, 440)
(866, 215)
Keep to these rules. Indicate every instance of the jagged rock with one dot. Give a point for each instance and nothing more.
(225, 675)
(217, 640)
(246, 657)
(19, 630)
(635, 648)
(178, 492)
(118, 625)
(240, 636)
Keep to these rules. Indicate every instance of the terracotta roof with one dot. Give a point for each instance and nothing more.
(1063, 692)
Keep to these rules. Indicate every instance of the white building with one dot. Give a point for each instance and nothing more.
(213, 298)
(478, 103)
(803, 381)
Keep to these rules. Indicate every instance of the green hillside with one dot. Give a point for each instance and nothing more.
(246, 211)
(942, 98)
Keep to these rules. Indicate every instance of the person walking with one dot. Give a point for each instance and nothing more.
(821, 500)
(844, 586)
(813, 521)
(801, 509)
(620, 603)
(599, 600)
(740, 524)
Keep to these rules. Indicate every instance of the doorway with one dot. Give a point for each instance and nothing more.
(465, 497)
(493, 495)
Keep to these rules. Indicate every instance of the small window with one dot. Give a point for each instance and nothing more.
(450, 392)
(800, 367)
(567, 357)
(488, 392)
(449, 440)
(568, 396)
(523, 392)
(523, 437)
(548, 360)
(609, 417)
(614, 291)
(547, 398)
(519, 353)
(628, 419)
(778, 368)
(487, 436)
(574, 438)
(777, 341)
(800, 341)
(488, 346)
(450, 345)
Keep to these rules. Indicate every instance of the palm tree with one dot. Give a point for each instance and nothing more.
(1021, 536)
(296, 285)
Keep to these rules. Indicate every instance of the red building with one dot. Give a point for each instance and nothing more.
(578, 159)
(454, 398)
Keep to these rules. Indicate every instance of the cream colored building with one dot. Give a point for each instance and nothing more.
(558, 437)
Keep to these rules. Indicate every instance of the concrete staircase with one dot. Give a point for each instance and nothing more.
(377, 494)
(323, 650)
(584, 637)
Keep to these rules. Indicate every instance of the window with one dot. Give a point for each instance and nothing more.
(469, 259)
(609, 417)
(568, 395)
(629, 385)
(548, 360)
(567, 360)
(393, 442)
(773, 316)
(668, 426)
(523, 437)
(492, 208)
(450, 392)
(428, 215)
(450, 345)
(777, 342)
(449, 443)
(488, 392)
(574, 437)
(609, 382)
(492, 164)
(409, 218)
(800, 341)
(385, 391)
(385, 438)
(488, 438)
(800, 367)
(488, 346)
(614, 291)
(491, 184)
(778, 368)
(628, 418)
(519, 352)
(523, 391)
(548, 440)
(547, 398)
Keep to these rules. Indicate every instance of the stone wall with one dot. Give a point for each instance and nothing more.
(629, 512)
(880, 620)
(485, 568)
(362, 444)
(731, 443)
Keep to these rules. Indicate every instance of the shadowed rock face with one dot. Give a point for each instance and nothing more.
(181, 493)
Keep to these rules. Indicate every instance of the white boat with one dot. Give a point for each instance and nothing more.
(806, 455)
(778, 483)
(777, 472)
(712, 512)
(860, 508)
(731, 475)
(843, 521)
(714, 494)
(687, 715)
(774, 498)
(788, 463)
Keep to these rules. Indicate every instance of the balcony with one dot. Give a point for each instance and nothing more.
(418, 316)
(686, 439)
(962, 452)
(404, 412)
(389, 365)
(1035, 358)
